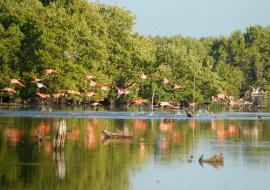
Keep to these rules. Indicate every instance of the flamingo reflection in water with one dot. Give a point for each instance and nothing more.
(14, 135)
(166, 126)
(142, 147)
(139, 124)
(90, 140)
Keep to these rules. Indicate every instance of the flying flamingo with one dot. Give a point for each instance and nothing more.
(123, 91)
(35, 80)
(255, 91)
(168, 104)
(138, 101)
(58, 95)
(143, 76)
(51, 71)
(233, 102)
(73, 92)
(16, 81)
(90, 94)
(7, 89)
(96, 104)
(42, 95)
(177, 86)
(103, 87)
(90, 77)
(40, 85)
(92, 83)
(166, 81)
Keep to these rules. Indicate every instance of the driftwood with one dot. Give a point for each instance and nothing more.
(60, 136)
(109, 135)
(216, 161)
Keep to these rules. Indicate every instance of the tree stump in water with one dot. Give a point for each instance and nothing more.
(60, 136)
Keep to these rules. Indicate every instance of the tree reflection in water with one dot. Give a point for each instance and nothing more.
(87, 163)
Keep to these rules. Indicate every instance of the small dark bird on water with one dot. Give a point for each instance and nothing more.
(189, 114)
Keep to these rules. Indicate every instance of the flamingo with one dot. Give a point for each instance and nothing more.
(177, 86)
(7, 89)
(35, 80)
(92, 83)
(73, 92)
(233, 102)
(123, 91)
(90, 77)
(90, 94)
(96, 104)
(42, 95)
(58, 95)
(143, 76)
(51, 71)
(139, 101)
(255, 91)
(40, 85)
(162, 104)
(16, 81)
(104, 87)
(166, 81)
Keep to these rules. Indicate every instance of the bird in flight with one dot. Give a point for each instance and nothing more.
(73, 92)
(143, 76)
(18, 82)
(90, 94)
(104, 87)
(37, 80)
(168, 104)
(7, 89)
(124, 91)
(40, 85)
(90, 77)
(255, 91)
(42, 95)
(58, 95)
(166, 81)
(51, 71)
(177, 86)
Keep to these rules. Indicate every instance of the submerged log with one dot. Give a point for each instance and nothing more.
(216, 161)
(107, 135)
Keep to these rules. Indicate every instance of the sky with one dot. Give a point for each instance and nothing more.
(195, 18)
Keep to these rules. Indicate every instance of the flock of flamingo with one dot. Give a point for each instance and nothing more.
(93, 82)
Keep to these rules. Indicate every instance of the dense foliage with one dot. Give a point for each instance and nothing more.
(79, 38)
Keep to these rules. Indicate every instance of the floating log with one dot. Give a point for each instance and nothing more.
(60, 136)
(107, 135)
(217, 158)
(216, 161)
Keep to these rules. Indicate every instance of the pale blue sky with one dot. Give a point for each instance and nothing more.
(197, 18)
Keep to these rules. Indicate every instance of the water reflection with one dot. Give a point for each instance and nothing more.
(98, 164)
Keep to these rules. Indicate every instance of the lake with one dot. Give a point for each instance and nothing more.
(162, 153)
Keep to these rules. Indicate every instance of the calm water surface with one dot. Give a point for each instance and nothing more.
(157, 157)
